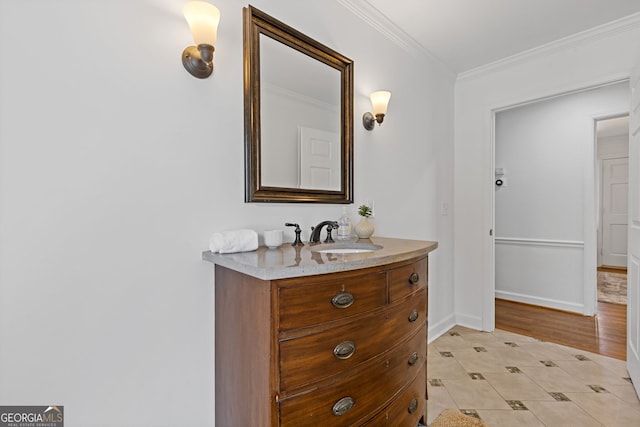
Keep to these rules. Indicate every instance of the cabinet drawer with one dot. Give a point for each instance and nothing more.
(320, 355)
(407, 409)
(407, 279)
(353, 398)
(318, 302)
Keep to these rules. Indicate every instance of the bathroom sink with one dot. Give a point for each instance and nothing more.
(346, 248)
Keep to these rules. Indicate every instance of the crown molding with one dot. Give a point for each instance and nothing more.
(376, 19)
(621, 25)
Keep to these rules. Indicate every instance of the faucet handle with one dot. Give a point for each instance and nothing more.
(329, 239)
(298, 231)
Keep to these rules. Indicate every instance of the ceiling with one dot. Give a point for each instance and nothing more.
(466, 34)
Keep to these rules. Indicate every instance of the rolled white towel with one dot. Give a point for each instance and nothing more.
(227, 242)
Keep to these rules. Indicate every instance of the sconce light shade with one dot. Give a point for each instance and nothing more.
(203, 19)
(379, 101)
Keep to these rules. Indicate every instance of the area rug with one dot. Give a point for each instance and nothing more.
(612, 287)
(452, 418)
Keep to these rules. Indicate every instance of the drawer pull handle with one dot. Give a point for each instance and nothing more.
(413, 359)
(344, 350)
(414, 278)
(342, 300)
(413, 406)
(343, 406)
(413, 316)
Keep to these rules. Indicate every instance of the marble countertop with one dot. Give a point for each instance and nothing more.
(288, 261)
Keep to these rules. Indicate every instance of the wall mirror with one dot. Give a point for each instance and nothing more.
(298, 109)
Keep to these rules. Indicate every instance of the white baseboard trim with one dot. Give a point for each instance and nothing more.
(467, 321)
(544, 302)
(440, 328)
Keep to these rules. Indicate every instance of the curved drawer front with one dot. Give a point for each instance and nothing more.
(353, 398)
(317, 302)
(408, 279)
(313, 357)
(407, 409)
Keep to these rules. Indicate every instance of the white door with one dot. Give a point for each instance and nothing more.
(633, 276)
(615, 211)
(319, 159)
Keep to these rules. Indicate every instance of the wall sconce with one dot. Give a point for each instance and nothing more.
(203, 19)
(379, 100)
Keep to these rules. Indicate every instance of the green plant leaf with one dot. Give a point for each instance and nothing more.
(364, 211)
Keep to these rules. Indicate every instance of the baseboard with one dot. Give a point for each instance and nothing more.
(467, 321)
(544, 302)
(440, 328)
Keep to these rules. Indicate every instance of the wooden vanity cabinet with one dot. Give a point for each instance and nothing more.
(339, 349)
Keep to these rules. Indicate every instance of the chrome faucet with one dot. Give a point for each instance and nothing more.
(315, 231)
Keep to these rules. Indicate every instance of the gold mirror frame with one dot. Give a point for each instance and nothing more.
(258, 23)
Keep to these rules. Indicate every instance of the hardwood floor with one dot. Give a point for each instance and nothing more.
(605, 333)
(612, 269)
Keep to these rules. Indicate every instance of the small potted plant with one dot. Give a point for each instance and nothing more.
(364, 228)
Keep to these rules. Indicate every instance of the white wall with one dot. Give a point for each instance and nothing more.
(545, 148)
(116, 166)
(574, 64)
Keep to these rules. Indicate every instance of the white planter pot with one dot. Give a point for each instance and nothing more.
(364, 229)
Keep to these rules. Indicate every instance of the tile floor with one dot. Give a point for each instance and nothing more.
(511, 380)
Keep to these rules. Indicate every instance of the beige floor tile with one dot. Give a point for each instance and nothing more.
(516, 356)
(554, 379)
(568, 349)
(479, 338)
(444, 367)
(590, 372)
(511, 337)
(516, 387)
(573, 351)
(607, 409)
(615, 366)
(449, 343)
(627, 394)
(546, 351)
(509, 418)
(474, 394)
(439, 400)
(589, 354)
(484, 362)
(626, 417)
(616, 406)
(561, 414)
(491, 344)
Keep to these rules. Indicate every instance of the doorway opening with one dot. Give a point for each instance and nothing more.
(612, 147)
(547, 200)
